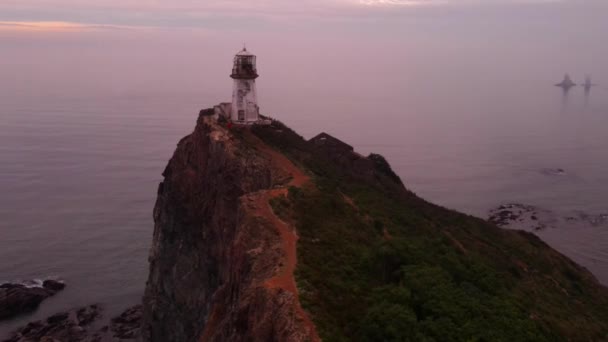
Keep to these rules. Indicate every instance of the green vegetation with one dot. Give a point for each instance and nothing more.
(383, 166)
(384, 265)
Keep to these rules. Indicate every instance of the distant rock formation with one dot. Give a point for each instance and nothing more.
(553, 172)
(17, 299)
(566, 84)
(532, 218)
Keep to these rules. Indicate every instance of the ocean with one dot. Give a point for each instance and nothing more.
(86, 130)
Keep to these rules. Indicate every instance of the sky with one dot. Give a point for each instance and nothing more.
(260, 14)
(74, 46)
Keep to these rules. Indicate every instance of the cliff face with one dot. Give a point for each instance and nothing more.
(217, 245)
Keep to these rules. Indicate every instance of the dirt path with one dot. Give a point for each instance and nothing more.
(284, 279)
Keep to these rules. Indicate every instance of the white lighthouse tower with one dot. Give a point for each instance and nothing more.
(245, 108)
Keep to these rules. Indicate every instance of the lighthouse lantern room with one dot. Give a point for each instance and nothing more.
(245, 108)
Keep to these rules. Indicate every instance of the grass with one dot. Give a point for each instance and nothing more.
(392, 267)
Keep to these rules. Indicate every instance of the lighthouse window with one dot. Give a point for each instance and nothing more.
(241, 115)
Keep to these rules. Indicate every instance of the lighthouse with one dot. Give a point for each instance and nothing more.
(244, 109)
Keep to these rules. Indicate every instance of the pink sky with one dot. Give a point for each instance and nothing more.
(72, 46)
(195, 13)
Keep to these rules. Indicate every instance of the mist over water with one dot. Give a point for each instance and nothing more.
(461, 102)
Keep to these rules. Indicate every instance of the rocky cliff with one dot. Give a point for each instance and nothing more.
(373, 262)
(219, 254)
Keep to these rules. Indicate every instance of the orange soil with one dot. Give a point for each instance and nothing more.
(387, 236)
(456, 243)
(284, 279)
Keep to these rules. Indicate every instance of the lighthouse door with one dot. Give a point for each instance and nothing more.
(252, 112)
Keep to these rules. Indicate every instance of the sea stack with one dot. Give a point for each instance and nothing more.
(566, 84)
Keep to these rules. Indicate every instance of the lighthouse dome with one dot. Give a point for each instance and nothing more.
(244, 52)
(244, 66)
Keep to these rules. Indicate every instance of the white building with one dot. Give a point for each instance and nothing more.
(245, 108)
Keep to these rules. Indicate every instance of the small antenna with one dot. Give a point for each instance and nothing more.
(244, 46)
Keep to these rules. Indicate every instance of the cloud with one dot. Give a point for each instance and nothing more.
(55, 26)
(453, 3)
(212, 13)
(403, 2)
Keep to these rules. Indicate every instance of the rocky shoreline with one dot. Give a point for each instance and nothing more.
(77, 325)
(533, 218)
(20, 298)
(81, 325)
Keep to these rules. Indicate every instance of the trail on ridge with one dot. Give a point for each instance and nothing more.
(284, 279)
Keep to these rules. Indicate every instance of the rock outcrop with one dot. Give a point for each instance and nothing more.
(127, 325)
(82, 325)
(532, 218)
(17, 299)
(213, 253)
(70, 326)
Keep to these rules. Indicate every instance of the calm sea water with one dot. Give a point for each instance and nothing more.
(86, 133)
(78, 180)
(79, 176)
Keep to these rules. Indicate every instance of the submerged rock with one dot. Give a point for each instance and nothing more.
(506, 214)
(532, 218)
(16, 299)
(553, 172)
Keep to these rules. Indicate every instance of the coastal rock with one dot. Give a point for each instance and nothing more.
(16, 299)
(533, 218)
(506, 214)
(70, 326)
(80, 325)
(53, 285)
(128, 324)
(88, 314)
